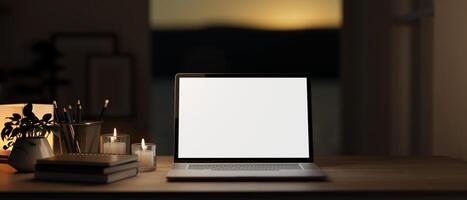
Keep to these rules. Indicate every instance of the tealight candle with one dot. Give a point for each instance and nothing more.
(146, 153)
(115, 144)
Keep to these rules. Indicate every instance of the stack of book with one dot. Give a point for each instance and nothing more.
(93, 168)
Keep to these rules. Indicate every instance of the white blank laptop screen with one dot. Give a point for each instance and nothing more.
(243, 118)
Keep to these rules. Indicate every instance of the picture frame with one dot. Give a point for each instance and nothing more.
(74, 49)
(85, 43)
(110, 76)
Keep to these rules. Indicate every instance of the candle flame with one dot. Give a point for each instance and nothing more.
(115, 132)
(143, 144)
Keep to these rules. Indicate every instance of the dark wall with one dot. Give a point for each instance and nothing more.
(366, 70)
(23, 23)
(246, 50)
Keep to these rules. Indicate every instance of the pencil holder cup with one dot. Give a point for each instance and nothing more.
(80, 137)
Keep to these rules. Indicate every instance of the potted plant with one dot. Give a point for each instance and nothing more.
(27, 135)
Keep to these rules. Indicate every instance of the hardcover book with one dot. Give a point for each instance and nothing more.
(81, 159)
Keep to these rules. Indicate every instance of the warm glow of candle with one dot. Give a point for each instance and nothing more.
(146, 154)
(114, 146)
(143, 145)
(113, 138)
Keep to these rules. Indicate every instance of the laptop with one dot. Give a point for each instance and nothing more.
(243, 127)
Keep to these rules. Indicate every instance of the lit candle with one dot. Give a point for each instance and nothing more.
(114, 146)
(145, 153)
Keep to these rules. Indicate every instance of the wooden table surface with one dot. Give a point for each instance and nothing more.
(346, 175)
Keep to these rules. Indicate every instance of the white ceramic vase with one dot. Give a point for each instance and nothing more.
(26, 151)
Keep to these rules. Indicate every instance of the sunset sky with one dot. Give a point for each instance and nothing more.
(260, 14)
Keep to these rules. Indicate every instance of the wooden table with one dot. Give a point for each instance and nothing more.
(433, 177)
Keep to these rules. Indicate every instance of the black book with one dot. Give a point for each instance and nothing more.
(88, 178)
(82, 159)
(66, 168)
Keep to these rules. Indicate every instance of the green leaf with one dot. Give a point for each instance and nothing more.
(47, 117)
(15, 132)
(34, 119)
(6, 132)
(25, 121)
(16, 116)
(23, 129)
(27, 110)
(3, 134)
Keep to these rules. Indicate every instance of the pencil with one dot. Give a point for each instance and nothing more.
(67, 135)
(78, 111)
(70, 114)
(73, 140)
(65, 115)
(57, 115)
(106, 103)
(78, 127)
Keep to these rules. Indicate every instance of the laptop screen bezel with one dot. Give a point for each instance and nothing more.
(240, 160)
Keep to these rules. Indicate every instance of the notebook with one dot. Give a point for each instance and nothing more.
(86, 169)
(91, 168)
(106, 160)
(91, 178)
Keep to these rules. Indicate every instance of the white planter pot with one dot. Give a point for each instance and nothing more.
(26, 151)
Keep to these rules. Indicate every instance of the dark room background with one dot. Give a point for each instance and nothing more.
(248, 36)
(388, 75)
